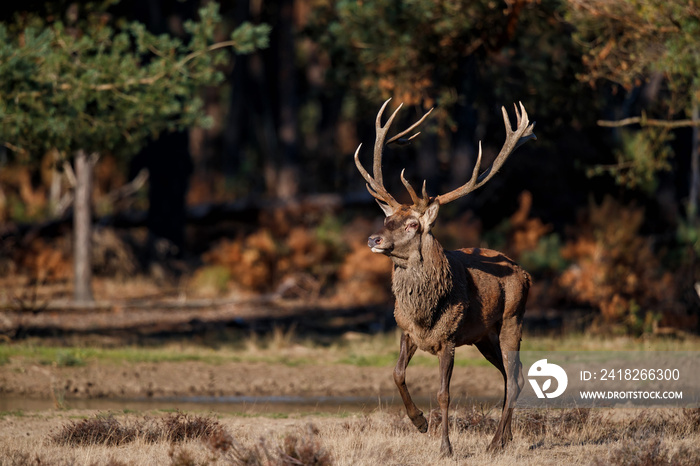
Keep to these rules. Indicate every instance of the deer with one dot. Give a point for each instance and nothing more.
(446, 299)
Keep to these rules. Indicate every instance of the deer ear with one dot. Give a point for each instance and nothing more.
(386, 208)
(431, 213)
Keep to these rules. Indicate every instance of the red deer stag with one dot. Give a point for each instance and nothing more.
(446, 299)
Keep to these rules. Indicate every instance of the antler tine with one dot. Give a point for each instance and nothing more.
(420, 203)
(410, 128)
(409, 188)
(380, 137)
(470, 185)
(518, 114)
(508, 146)
(375, 183)
(375, 188)
(514, 139)
(528, 134)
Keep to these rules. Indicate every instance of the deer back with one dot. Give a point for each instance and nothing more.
(495, 288)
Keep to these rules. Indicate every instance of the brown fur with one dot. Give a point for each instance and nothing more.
(446, 299)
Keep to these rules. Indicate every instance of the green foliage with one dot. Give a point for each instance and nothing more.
(447, 53)
(641, 156)
(640, 321)
(383, 48)
(249, 37)
(69, 359)
(540, 65)
(546, 257)
(212, 279)
(497, 237)
(101, 87)
(330, 233)
(627, 42)
(413, 51)
(369, 360)
(688, 236)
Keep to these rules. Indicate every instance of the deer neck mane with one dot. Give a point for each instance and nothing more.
(422, 282)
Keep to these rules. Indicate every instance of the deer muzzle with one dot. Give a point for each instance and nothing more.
(377, 244)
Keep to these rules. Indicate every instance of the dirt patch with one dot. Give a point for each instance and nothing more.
(191, 378)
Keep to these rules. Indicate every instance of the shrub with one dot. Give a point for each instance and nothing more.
(304, 449)
(294, 449)
(107, 430)
(272, 258)
(615, 270)
(210, 280)
(300, 261)
(100, 430)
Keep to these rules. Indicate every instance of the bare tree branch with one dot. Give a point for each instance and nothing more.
(128, 189)
(644, 121)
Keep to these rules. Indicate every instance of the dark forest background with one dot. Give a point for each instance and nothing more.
(264, 197)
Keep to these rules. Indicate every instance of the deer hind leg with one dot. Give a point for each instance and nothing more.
(447, 359)
(408, 349)
(509, 339)
(490, 348)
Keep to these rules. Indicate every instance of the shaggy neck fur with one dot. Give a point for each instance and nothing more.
(422, 281)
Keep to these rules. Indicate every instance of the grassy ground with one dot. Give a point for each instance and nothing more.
(285, 347)
(279, 347)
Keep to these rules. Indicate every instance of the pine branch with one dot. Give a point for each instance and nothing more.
(155, 78)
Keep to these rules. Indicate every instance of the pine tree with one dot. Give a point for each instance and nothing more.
(90, 86)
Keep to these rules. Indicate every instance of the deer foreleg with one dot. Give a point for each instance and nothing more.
(408, 349)
(447, 359)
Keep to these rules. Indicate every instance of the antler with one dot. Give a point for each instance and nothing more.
(375, 185)
(514, 139)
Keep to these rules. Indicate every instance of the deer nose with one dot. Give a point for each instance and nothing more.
(374, 241)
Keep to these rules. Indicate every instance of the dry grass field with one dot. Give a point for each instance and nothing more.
(384, 437)
(284, 363)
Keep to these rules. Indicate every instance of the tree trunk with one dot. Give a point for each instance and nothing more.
(82, 228)
(288, 169)
(169, 166)
(694, 166)
(237, 131)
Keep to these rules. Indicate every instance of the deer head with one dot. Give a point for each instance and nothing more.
(405, 225)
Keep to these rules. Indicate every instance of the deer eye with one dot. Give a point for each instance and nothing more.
(413, 225)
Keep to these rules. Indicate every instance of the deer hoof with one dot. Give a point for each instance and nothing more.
(446, 449)
(420, 423)
(496, 445)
